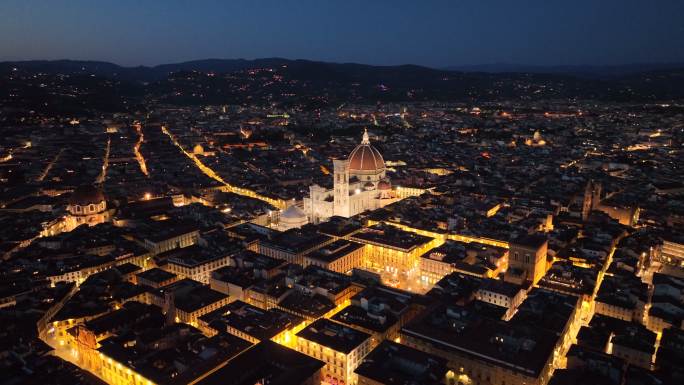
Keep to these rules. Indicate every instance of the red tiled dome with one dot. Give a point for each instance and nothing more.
(366, 157)
(86, 195)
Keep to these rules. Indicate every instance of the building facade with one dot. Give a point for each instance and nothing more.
(87, 206)
(359, 184)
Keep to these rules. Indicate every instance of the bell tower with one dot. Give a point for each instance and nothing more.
(341, 186)
(592, 198)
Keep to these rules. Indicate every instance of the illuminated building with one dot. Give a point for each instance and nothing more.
(340, 347)
(340, 256)
(168, 235)
(395, 364)
(195, 262)
(464, 257)
(249, 268)
(673, 252)
(268, 293)
(144, 362)
(625, 214)
(500, 293)
(156, 278)
(392, 250)
(667, 304)
(565, 277)
(630, 341)
(536, 140)
(80, 273)
(187, 300)
(252, 323)
(622, 296)
(292, 245)
(267, 360)
(589, 366)
(86, 206)
(360, 184)
(85, 338)
(292, 217)
(552, 311)
(316, 292)
(527, 259)
(481, 348)
(379, 311)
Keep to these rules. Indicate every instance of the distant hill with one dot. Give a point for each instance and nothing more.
(315, 83)
(143, 73)
(318, 69)
(579, 70)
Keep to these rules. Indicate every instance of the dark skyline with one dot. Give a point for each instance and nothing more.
(430, 33)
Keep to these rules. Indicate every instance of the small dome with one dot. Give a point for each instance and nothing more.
(366, 157)
(384, 185)
(86, 195)
(537, 136)
(293, 213)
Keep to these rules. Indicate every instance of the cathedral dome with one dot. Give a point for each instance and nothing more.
(86, 195)
(366, 157)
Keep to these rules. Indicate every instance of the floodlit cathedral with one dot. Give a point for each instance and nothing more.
(360, 184)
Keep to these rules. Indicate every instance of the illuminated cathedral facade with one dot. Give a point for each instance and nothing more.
(359, 184)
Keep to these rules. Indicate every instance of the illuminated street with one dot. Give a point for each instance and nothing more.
(136, 150)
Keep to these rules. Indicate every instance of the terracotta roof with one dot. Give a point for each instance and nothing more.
(366, 157)
(85, 195)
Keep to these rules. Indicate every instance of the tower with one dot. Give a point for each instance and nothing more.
(592, 198)
(341, 183)
(527, 259)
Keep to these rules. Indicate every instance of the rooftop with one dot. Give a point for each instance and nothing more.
(352, 315)
(268, 362)
(251, 320)
(190, 296)
(297, 240)
(533, 241)
(391, 363)
(333, 335)
(390, 236)
(523, 348)
(156, 275)
(176, 354)
(334, 251)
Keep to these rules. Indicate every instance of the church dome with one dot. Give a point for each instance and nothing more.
(291, 218)
(293, 213)
(384, 185)
(86, 195)
(366, 157)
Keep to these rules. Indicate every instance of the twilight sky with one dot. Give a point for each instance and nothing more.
(435, 33)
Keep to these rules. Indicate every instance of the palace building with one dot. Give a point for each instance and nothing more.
(360, 184)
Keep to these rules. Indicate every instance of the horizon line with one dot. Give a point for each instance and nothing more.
(443, 67)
